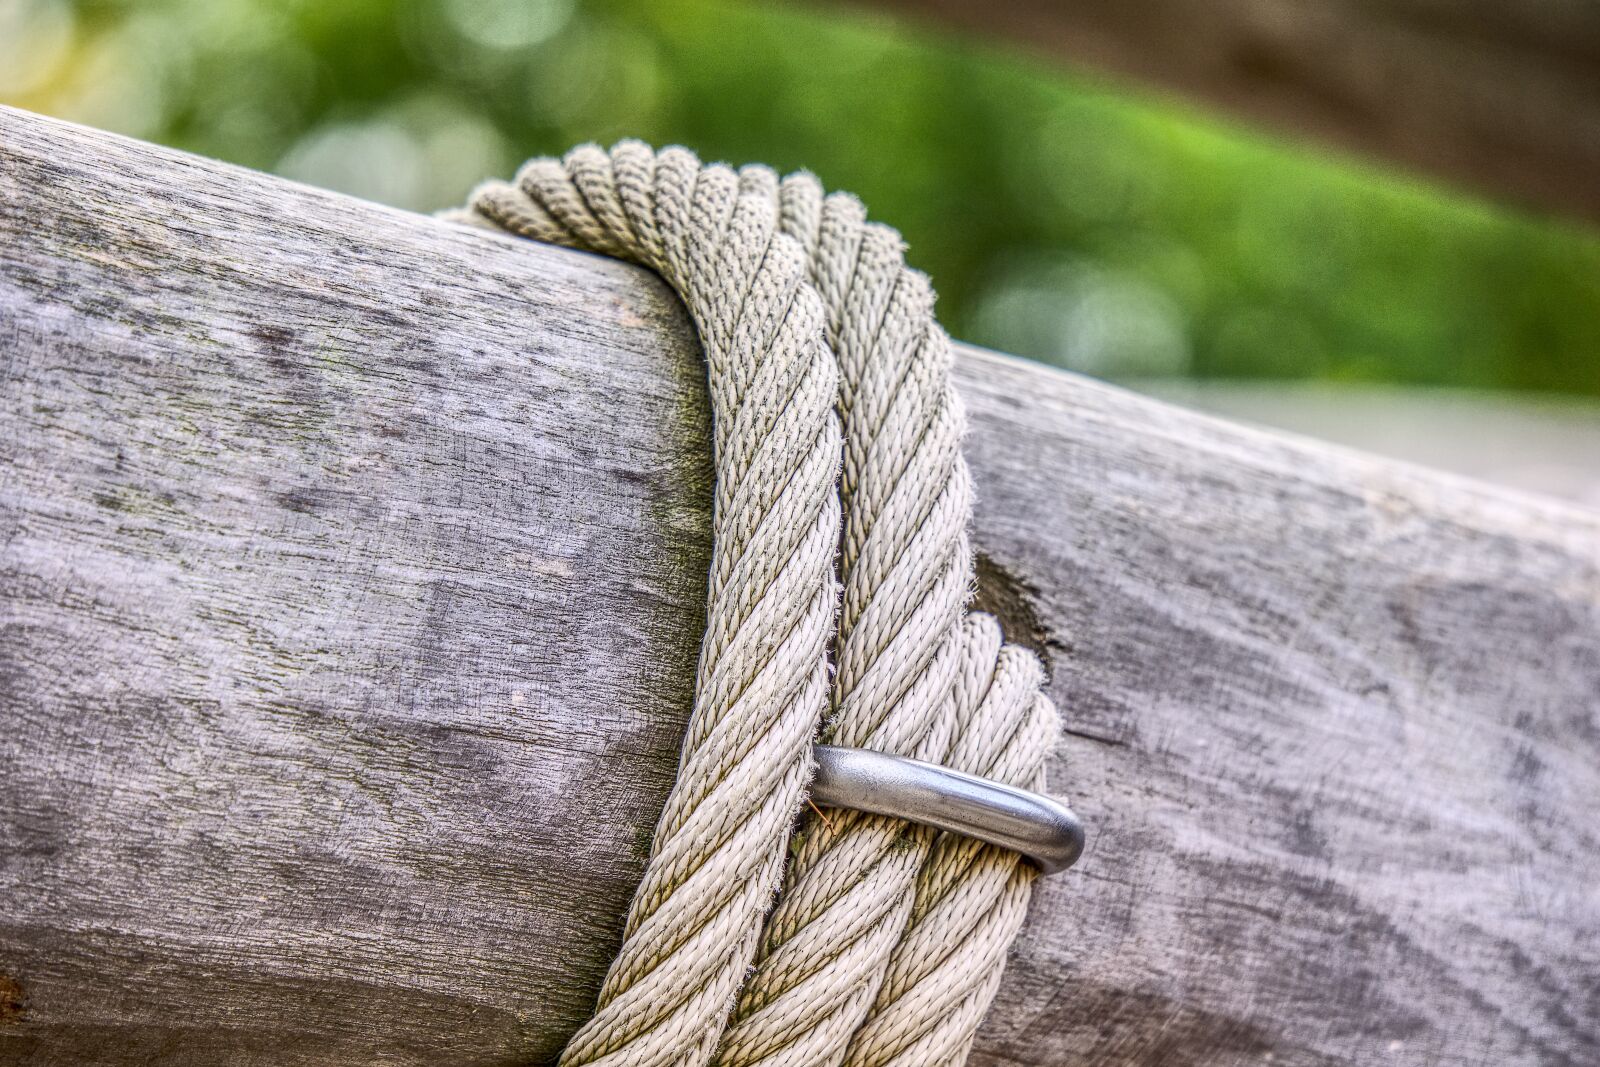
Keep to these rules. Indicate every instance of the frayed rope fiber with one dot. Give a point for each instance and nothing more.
(840, 574)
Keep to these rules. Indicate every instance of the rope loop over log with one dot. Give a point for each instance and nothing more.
(836, 604)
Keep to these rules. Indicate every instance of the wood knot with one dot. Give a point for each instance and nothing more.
(13, 1001)
(1010, 600)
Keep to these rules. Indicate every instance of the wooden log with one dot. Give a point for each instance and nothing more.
(1502, 98)
(352, 571)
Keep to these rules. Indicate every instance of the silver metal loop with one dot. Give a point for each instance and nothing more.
(1044, 831)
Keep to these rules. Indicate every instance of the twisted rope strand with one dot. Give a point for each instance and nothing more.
(693, 928)
(840, 515)
(850, 888)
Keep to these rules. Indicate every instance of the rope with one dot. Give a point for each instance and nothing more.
(839, 576)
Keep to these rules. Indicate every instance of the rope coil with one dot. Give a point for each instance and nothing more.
(836, 601)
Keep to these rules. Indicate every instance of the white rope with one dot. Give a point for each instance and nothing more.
(840, 525)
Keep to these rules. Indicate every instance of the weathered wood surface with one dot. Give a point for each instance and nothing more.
(351, 580)
(1501, 97)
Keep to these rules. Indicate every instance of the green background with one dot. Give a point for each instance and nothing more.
(1120, 234)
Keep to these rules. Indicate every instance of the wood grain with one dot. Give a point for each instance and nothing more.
(348, 631)
(351, 571)
(1502, 98)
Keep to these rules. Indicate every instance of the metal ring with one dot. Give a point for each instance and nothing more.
(1046, 832)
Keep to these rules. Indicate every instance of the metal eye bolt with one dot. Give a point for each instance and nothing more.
(1044, 831)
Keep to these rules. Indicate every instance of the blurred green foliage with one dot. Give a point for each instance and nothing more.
(1060, 219)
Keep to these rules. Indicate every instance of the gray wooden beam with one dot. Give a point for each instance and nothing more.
(1502, 98)
(350, 581)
